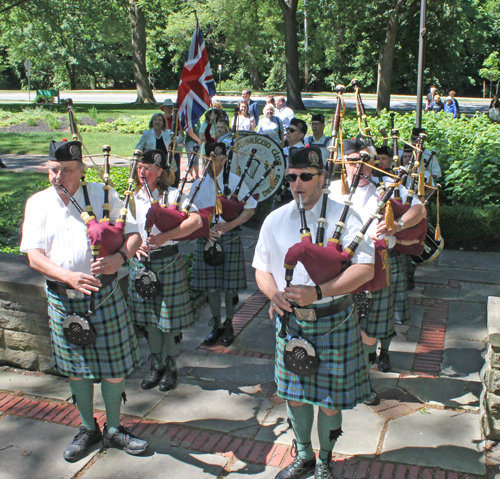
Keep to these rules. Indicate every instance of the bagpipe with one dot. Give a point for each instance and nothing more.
(166, 218)
(105, 238)
(324, 263)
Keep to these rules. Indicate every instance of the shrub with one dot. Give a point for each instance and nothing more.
(43, 99)
(467, 149)
(118, 175)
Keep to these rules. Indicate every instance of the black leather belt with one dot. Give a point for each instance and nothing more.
(61, 288)
(164, 252)
(330, 310)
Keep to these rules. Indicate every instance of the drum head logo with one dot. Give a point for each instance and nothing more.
(313, 158)
(74, 151)
(157, 159)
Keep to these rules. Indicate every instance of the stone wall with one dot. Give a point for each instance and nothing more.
(490, 397)
(24, 330)
(24, 322)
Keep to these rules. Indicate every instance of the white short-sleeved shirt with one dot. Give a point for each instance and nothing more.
(365, 202)
(269, 128)
(207, 195)
(58, 229)
(243, 123)
(285, 115)
(432, 169)
(142, 205)
(281, 230)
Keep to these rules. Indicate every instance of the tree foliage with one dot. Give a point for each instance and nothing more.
(87, 43)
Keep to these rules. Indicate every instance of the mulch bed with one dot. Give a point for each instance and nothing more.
(43, 126)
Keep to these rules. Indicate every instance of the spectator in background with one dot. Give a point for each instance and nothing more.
(452, 94)
(217, 104)
(437, 105)
(244, 120)
(494, 112)
(270, 99)
(284, 113)
(450, 107)
(271, 125)
(253, 107)
(430, 98)
(167, 107)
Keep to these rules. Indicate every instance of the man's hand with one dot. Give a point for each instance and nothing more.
(302, 295)
(82, 282)
(278, 304)
(108, 265)
(143, 250)
(382, 229)
(222, 228)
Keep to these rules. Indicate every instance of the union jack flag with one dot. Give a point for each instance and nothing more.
(197, 86)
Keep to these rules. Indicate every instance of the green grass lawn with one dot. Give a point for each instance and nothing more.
(37, 143)
(10, 181)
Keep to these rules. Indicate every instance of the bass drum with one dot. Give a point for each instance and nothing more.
(267, 152)
(432, 248)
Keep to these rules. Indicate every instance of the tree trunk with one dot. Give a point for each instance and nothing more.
(385, 61)
(294, 97)
(138, 24)
(255, 77)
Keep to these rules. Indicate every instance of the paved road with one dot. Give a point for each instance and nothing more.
(467, 105)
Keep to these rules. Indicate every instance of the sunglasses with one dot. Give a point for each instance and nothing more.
(292, 177)
(291, 130)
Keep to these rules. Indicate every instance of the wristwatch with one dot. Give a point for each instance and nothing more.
(401, 224)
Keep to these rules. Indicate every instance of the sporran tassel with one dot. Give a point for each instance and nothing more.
(437, 236)
(343, 179)
(421, 181)
(389, 216)
(218, 206)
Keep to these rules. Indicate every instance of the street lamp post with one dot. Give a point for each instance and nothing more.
(420, 77)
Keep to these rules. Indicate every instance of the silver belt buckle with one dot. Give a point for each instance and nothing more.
(305, 314)
(74, 294)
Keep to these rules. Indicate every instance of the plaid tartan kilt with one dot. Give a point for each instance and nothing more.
(380, 322)
(171, 310)
(398, 287)
(342, 379)
(115, 352)
(231, 275)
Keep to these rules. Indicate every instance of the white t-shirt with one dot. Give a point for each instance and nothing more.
(58, 229)
(270, 128)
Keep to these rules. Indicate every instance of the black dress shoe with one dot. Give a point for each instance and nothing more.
(373, 400)
(152, 379)
(169, 380)
(123, 439)
(298, 469)
(78, 448)
(324, 469)
(215, 333)
(384, 361)
(228, 333)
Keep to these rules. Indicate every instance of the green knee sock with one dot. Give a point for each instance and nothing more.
(172, 342)
(230, 307)
(214, 302)
(302, 419)
(112, 396)
(83, 393)
(370, 352)
(155, 341)
(385, 343)
(329, 429)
